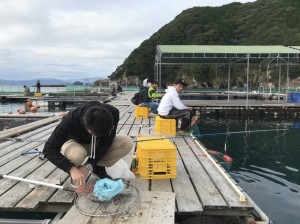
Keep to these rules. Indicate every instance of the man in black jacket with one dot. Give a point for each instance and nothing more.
(86, 140)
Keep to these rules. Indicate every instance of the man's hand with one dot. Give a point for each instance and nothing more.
(79, 175)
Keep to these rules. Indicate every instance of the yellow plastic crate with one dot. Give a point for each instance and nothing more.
(156, 158)
(165, 126)
(141, 112)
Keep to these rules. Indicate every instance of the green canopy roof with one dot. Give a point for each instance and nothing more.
(213, 54)
(225, 54)
(227, 49)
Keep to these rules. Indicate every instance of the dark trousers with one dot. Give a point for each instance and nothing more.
(185, 115)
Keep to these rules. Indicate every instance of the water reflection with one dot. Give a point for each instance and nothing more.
(266, 164)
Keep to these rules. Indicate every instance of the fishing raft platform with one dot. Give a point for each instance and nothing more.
(201, 188)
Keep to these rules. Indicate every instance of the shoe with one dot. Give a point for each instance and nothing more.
(194, 121)
(101, 172)
(73, 185)
(152, 114)
(185, 133)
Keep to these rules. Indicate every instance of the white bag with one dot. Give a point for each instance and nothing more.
(120, 170)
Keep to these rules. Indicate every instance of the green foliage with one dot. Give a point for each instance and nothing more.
(264, 22)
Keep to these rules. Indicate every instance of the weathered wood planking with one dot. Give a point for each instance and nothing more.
(24, 146)
(205, 188)
(26, 137)
(25, 116)
(198, 186)
(187, 200)
(122, 126)
(41, 194)
(14, 151)
(154, 207)
(27, 127)
(220, 182)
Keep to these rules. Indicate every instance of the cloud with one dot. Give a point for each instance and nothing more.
(78, 39)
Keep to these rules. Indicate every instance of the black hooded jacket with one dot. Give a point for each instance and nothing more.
(72, 127)
(144, 97)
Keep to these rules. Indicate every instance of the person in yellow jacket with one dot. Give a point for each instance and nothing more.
(152, 92)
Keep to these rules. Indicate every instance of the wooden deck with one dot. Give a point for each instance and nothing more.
(201, 186)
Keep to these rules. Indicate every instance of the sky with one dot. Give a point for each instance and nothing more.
(78, 39)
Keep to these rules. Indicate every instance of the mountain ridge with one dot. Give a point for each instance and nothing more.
(44, 81)
(263, 22)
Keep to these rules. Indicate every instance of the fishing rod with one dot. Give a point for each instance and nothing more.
(240, 132)
(207, 135)
(22, 140)
(159, 138)
(36, 182)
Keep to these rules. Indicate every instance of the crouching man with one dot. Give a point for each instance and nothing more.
(86, 140)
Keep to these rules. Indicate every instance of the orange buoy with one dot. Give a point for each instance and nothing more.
(21, 111)
(29, 103)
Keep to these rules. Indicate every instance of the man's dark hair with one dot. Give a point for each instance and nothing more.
(99, 120)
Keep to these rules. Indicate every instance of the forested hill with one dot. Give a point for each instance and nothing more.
(264, 22)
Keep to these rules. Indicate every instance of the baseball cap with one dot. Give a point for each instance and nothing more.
(180, 81)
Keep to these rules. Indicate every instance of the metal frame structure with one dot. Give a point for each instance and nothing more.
(226, 54)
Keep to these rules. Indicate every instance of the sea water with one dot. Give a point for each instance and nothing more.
(15, 89)
(12, 108)
(265, 164)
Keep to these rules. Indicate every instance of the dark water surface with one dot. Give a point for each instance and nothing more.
(266, 164)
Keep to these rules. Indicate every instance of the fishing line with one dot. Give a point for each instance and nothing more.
(206, 135)
(261, 147)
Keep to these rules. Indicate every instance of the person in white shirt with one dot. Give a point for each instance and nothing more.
(171, 107)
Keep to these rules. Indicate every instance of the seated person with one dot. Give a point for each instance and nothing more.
(144, 97)
(26, 91)
(171, 107)
(152, 92)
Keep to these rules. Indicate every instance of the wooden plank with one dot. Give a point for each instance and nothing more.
(222, 183)
(14, 151)
(207, 192)
(124, 126)
(64, 197)
(145, 127)
(26, 136)
(67, 197)
(33, 115)
(187, 200)
(19, 190)
(155, 207)
(41, 193)
(152, 126)
(27, 127)
(134, 130)
(161, 185)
